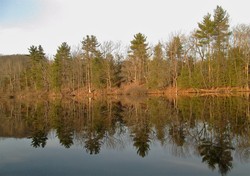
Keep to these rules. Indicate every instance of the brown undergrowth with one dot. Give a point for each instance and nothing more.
(128, 90)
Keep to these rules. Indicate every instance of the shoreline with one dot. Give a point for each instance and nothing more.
(168, 92)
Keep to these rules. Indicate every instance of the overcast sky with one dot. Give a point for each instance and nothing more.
(50, 22)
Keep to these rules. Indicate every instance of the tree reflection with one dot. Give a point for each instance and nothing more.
(217, 154)
(63, 125)
(96, 126)
(39, 139)
(141, 128)
(65, 137)
(215, 142)
(93, 144)
(39, 126)
(177, 135)
(141, 141)
(211, 127)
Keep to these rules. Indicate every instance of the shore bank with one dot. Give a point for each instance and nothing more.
(127, 91)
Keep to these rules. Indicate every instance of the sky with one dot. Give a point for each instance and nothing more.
(50, 22)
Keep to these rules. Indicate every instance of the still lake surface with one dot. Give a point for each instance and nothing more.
(152, 136)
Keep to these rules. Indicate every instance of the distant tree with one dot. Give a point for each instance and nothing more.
(61, 67)
(221, 42)
(205, 38)
(221, 30)
(38, 68)
(157, 77)
(174, 55)
(213, 43)
(44, 68)
(139, 57)
(11, 72)
(90, 52)
(78, 71)
(186, 78)
(241, 48)
(109, 64)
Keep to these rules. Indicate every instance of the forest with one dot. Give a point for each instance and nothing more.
(212, 56)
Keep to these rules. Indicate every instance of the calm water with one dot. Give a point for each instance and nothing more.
(126, 136)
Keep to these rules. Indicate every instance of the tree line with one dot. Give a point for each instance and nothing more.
(213, 55)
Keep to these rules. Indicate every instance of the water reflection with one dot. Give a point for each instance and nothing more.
(214, 128)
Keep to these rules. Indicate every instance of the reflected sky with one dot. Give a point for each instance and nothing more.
(18, 157)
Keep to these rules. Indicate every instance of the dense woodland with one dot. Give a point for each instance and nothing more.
(214, 55)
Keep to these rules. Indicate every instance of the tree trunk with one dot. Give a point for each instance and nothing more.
(247, 75)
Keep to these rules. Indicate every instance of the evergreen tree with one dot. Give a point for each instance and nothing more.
(221, 37)
(44, 68)
(205, 37)
(139, 56)
(38, 68)
(61, 67)
(157, 69)
(221, 29)
(213, 35)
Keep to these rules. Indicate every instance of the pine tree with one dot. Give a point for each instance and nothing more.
(157, 69)
(38, 68)
(205, 37)
(138, 54)
(221, 37)
(221, 29)
(213, 35)
(61, 67)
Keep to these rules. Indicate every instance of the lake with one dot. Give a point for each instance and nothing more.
(154, 136)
